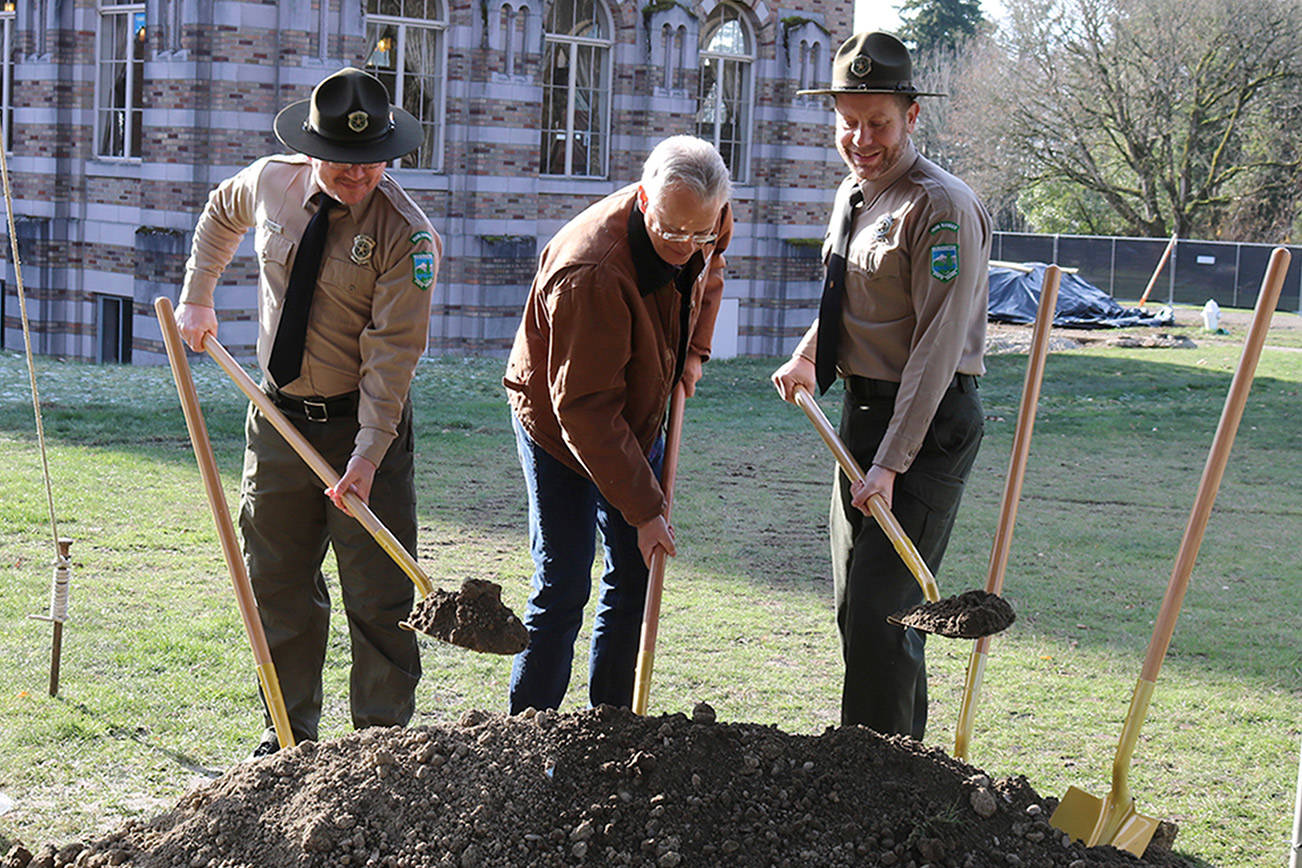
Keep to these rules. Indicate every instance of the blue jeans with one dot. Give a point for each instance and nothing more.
(565, 511)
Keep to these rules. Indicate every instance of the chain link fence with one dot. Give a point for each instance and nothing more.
(1229, 272)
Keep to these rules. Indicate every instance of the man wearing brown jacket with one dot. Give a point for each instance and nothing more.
(622, 307)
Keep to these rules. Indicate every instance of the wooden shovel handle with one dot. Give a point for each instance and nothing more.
(876, 503)
(356, 507)
(1271, 284)
(656, 570)
(244, 598)
(1035, 363)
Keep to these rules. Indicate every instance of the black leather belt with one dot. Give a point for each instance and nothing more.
(865, 389)
(314, 408)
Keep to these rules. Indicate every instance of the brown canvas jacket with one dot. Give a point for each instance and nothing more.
(595, 356)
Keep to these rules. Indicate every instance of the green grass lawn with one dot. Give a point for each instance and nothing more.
(158, 688)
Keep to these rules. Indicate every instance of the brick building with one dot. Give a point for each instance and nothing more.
(120, 117)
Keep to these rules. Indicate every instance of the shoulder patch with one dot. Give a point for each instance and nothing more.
(420, 236)
(944, 261)
(422, 270)
(943, 225)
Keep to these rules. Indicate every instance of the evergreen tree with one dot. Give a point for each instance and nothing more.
(939, 24)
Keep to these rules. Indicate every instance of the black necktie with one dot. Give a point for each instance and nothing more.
(287, 350)
(829, 309)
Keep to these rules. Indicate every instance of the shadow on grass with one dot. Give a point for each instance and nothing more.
(135, 734)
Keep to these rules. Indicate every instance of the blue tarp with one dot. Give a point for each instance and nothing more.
(1015, 298)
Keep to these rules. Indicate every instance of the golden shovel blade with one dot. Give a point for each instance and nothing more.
(1094, 821)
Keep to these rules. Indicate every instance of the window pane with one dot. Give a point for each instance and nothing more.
(421, 92)
(384, 7)
(113, 85)
(576, 18)
(728, 39)
(556, 83)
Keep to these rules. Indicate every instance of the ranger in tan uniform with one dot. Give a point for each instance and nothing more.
(346, 267)
(902, 321)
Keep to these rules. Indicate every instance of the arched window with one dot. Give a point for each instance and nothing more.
(576, 89)
(409, 54)
(723, 107)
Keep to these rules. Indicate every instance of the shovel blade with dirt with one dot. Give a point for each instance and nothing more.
(970, 615)
(1113, 819)
(473, 617)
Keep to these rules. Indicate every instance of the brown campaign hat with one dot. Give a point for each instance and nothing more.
(872, 63)
(348, 120)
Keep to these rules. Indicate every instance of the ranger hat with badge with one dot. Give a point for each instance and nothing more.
(872, 63)
(348, 120)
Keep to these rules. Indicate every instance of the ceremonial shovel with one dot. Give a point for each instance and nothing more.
(473, 617)
(1113, 819)
(968, 616)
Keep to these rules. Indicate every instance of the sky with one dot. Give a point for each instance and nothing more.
(883, 15)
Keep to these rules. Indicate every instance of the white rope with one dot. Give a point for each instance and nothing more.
(31, 364)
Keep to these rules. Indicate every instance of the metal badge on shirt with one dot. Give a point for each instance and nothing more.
(363, 247)
(882, 228)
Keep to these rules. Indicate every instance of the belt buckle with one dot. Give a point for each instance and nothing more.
(315, 411)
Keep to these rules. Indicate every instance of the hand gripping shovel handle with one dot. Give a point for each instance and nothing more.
(244, 599)
(876, 503)
(646, 651)
(356, 507)
(1012, 494)
(1113, 819)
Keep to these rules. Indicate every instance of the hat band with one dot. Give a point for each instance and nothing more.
(316, 131)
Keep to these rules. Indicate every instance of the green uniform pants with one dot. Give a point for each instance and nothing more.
(885, 684)
(287, 523)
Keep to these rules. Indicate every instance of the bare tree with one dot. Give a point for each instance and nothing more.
(1161, 115)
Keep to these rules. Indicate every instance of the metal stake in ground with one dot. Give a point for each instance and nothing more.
(58, 609)
(1113, 818)
(970, 615)
(976, 664)
(473, 618)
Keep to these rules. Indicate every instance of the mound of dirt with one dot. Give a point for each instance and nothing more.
(473, 617)
(600, 787)
(970, 615)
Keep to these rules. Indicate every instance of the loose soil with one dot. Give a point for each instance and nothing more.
(473, 617)
(970, 615)
(599, 787)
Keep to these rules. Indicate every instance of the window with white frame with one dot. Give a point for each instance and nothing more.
(120, 84)
(408, 52)
(723, 105)
(7, 76)
(576, 89)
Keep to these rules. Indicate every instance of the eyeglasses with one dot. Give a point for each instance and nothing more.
(699, 239)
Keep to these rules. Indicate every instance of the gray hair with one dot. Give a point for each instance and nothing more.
(686, 163)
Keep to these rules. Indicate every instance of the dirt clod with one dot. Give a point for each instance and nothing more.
(473, 617)
(601, 787)
(970, 615)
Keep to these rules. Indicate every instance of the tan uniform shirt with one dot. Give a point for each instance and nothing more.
(369, 320)
(916, 294)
